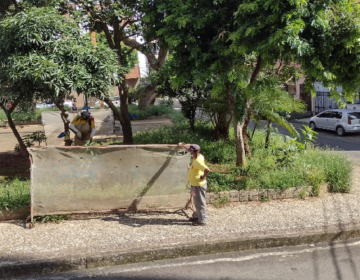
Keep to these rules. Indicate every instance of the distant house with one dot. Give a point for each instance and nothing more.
(323, 102)
(133, 78)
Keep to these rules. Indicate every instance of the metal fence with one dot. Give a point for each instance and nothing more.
(323, 102)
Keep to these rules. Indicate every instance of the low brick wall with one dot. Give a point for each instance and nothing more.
(264, 194)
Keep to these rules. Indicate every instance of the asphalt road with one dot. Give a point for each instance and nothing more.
(318, 262)
(349, 142)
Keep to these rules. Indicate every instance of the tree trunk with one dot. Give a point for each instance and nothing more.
(245, 137)
(192, 119)
(222, 127)
(240, 149)
(148, 98)
(253, 78)
(267, 139)
(238, 127)
(64, 117)
(123, 115)
(23, 150)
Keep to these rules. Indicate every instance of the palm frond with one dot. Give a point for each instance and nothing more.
(275, 117)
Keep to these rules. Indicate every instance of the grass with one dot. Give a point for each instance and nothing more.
(156, 111)
(51, 219)
(14, 193)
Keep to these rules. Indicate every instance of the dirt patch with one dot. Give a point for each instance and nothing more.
(12, 164)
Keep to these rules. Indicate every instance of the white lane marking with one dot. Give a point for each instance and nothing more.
(240, 259)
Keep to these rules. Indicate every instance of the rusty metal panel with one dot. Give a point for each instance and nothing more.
(93, 179)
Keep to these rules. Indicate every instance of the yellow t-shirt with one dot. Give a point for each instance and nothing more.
(197, 169)
(78, 120)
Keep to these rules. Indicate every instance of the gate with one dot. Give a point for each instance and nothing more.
(323, 102)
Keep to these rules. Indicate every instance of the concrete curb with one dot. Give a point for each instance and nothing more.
(120, 257)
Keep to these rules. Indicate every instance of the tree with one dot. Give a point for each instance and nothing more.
(322, 37)
(197, 32)
(151, 18)
(119, 21)
(44, 55)
(189, 94)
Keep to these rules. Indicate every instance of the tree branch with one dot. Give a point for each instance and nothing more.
(162, 55)
(108, 35)
(153, 61)
(129, 51)
(257, 69)
(16, 102)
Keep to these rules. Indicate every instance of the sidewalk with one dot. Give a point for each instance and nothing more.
(105, 240)
(303, 121)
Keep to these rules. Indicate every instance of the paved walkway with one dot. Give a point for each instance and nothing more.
(303, 121)
(104, 235)
(8, 140)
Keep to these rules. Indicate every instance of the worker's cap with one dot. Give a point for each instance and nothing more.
(194, 148)
(85, 114)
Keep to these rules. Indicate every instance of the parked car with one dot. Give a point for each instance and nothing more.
(45, 104)
(68, 103)
(340, 120)
(114, 99)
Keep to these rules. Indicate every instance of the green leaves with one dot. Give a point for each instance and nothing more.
(45, 50)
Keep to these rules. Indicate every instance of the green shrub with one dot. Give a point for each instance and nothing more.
(218, 181)
(164, 109)
(282, 165)
(338, 173)
(14, 193)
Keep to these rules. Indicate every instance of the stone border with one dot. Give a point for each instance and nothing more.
(5, 123)
(32, 267)
(265, 194)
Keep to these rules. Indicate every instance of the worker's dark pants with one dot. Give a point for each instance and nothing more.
(199, 199)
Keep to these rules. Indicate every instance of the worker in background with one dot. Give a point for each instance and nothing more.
(84, 128)
(74, 109)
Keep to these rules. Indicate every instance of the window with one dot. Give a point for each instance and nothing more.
(354, 115)
(337, 115)
(325, 115)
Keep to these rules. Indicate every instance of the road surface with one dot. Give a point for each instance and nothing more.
(319, 262)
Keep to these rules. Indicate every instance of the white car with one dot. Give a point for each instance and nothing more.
(68, 103)
(340, 120)
(46, 104)
(114, 99)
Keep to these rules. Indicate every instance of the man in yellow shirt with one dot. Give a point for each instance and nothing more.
(197, 178)
(84, 128)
